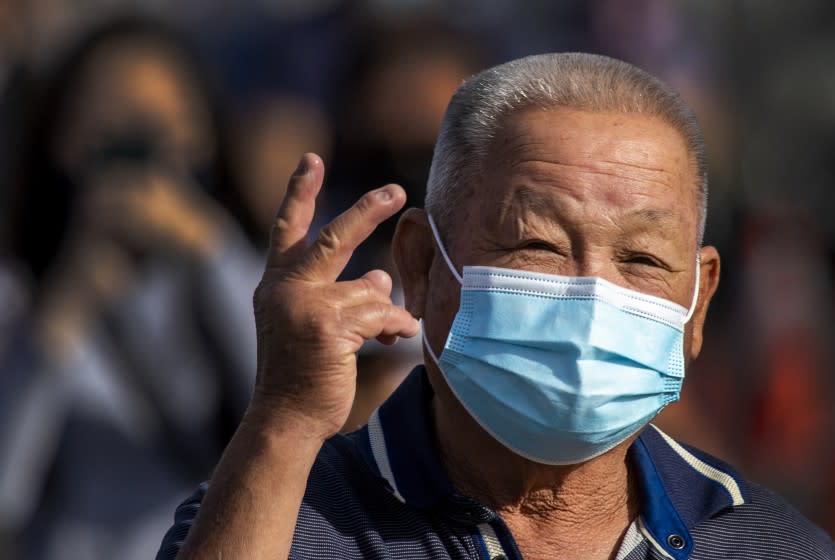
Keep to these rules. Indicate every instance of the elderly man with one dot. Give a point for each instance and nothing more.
(559, 274)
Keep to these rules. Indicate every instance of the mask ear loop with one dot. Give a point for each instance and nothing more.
(428, 347)
(443, 251)
(696, 290)
(454, 272)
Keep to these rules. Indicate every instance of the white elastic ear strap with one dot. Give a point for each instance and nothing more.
(426, 345)
(443, 251)
(695, 290)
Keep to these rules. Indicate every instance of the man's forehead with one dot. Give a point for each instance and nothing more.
(636, 163)
(630, 168)
(577, 137)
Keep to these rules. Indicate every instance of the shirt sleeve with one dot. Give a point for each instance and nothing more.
(183, 519)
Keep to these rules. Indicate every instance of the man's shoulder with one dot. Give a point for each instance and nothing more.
(728, 517)
(764, 526)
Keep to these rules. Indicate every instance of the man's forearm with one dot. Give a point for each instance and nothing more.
(253, 500)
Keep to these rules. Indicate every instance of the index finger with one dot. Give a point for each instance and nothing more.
(289, 231)
(336, 242)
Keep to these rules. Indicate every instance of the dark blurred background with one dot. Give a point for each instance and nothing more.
(145, 146)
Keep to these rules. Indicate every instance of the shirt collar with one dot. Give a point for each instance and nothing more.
(679, 486)
(399, 445)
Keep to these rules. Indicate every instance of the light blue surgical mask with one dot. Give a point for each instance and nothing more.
(561, 369)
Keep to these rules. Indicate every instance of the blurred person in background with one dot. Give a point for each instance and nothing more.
(138, 357)
(14, 85)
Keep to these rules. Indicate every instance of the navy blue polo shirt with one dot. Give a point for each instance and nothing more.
(381, 492)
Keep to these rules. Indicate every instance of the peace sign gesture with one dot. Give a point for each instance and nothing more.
(309, 325)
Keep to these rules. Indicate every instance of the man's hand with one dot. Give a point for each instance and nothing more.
(309, 328)
(309, 325)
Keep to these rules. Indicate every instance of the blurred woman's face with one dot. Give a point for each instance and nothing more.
(137, 90)
(135, 132)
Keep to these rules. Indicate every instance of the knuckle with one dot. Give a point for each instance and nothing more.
(328, 238)
(366, 202)
(367, 287)
(380, 310)
(282, 225)
(317, 325)
(284, 232)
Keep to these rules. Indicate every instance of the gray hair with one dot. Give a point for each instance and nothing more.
(574, 80)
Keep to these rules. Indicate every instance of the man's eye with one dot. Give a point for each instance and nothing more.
(537, 246)
(644, 260)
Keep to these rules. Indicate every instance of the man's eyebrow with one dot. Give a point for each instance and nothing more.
(665, 223)
(652, 215)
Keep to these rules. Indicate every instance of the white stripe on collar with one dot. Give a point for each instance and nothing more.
(631, 540)
(709, 471)
(658, 548)
(381, 456)
(491, 542)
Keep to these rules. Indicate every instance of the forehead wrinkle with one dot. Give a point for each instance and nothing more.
(594, 169)
(523, 202)
(645, 167)
(517, 148)
(605, 155)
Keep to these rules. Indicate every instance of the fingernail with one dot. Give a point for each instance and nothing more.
(301, 169)
(383, 194)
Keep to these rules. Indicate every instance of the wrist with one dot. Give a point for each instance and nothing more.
(276, 418)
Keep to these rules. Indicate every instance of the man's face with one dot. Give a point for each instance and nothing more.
(575, 193)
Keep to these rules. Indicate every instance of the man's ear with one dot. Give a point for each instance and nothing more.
(414, 252)
(708, 282)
